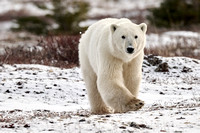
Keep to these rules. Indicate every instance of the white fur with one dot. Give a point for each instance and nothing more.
(112, 75)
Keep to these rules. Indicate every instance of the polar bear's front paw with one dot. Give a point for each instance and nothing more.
(135, 104)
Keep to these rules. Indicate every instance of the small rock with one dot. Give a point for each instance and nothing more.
(186, 69)
(177, 131)
(9, 126)
(26, 125)
(34, 73)
(108, 115)
(135, 125)
(175, 67)
(190, 88)
(55, 85)
(27, 92)
(20, 87)
(154, 80)
(19, 83)
(82, 115)
(162, 93)
(82, 120)
(15, 110)
(48, 87)
(192, 109)
(162, 67)
(40, 92)
(153, 60)
(11, 73)
(180, 118)
(195, 61)
(51, 122)
(7, 91)
(122, 127)
(143, 126)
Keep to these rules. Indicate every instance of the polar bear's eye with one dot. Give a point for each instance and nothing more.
(136, 36)
(123, 37)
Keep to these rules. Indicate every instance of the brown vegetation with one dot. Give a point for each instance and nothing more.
(62, 51)
(59, 51)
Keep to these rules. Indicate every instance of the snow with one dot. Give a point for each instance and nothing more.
(98, 7)
(182, 34)
(17, 5)
(37, 98)
(173, 37)
(30, 79)
(6, 25)
(102, 7)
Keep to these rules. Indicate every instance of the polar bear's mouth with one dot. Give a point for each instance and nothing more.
(130, 50)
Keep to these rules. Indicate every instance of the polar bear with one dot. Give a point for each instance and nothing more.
(111, 56)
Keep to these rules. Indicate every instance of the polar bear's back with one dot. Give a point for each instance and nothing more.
(96, 30)
(109, 21)
(104, 24)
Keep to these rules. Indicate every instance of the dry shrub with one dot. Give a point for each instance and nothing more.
(59, 51)
(62, 51)
(61, 48)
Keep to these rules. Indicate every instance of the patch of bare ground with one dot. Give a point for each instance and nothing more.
(18, 118)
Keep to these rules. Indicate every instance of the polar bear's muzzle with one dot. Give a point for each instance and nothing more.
(130, 49)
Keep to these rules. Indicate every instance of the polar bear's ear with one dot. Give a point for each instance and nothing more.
(143, 27)
(113, 27)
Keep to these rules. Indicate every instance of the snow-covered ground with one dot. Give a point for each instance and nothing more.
(115, 7)
(98, 7)
(188, 38)
(36, 98)
(17, 5)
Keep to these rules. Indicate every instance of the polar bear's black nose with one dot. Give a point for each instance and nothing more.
(130, 49)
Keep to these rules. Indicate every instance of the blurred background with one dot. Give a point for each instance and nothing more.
(48, 31)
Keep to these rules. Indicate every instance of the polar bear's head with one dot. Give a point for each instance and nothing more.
(128, 40)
